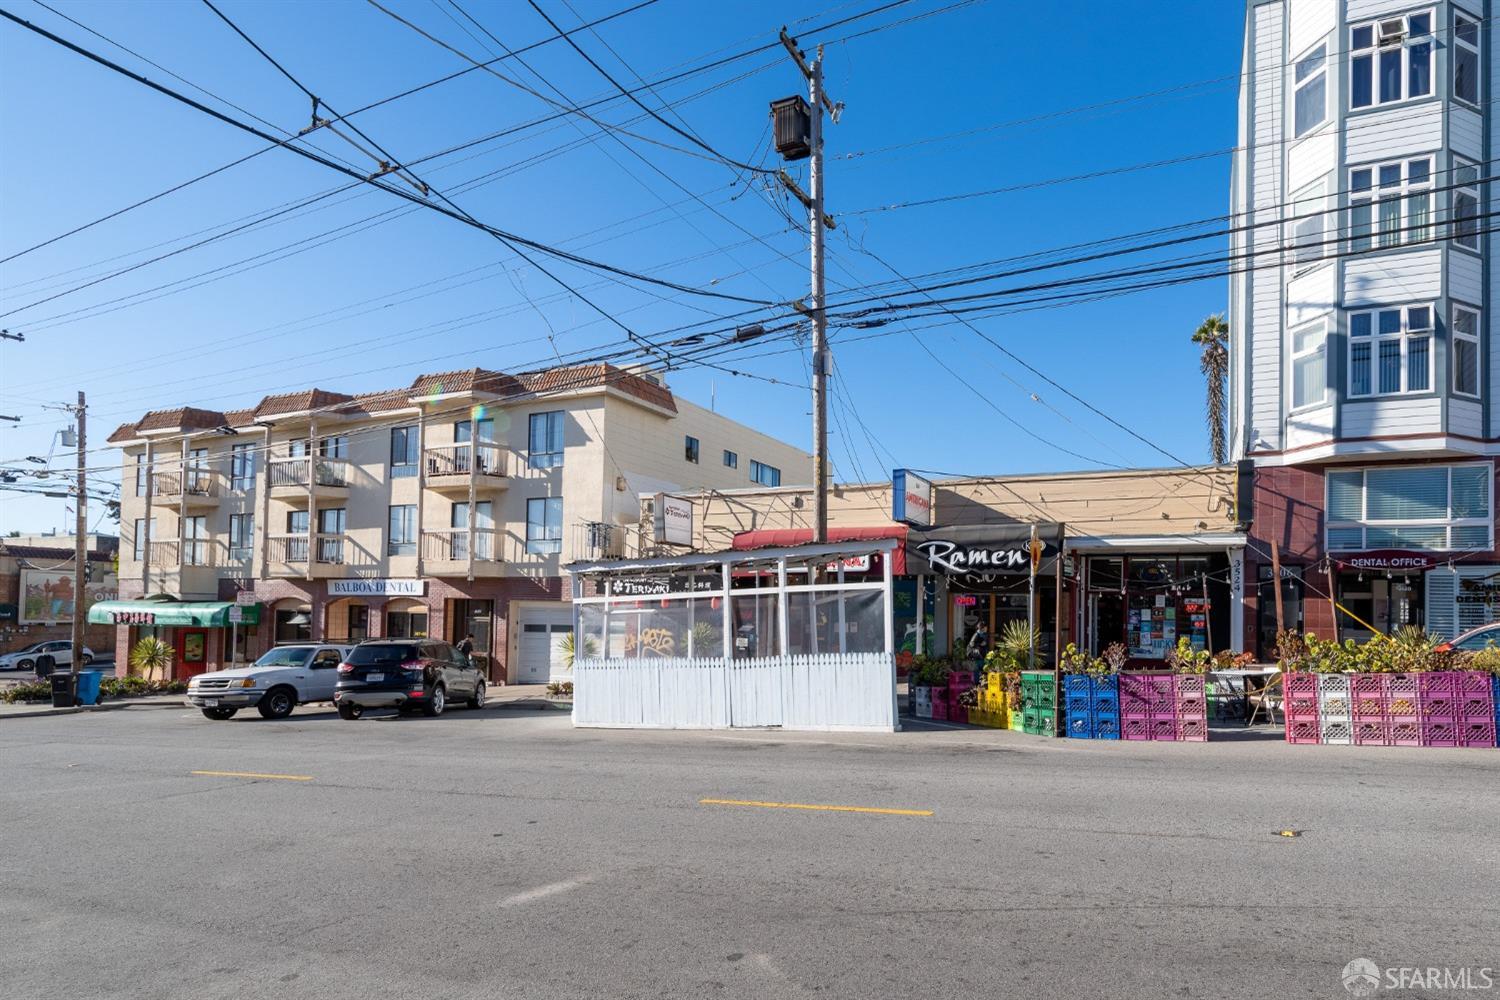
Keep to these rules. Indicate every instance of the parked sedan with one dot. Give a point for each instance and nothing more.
(61, 652)
(406, 673)
(1475, 639)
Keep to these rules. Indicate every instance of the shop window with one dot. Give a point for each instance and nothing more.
(406, 624)
(1411, 507)
(293, 625)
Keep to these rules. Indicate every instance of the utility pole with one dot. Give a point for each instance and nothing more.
(799, 134)
(80, 535)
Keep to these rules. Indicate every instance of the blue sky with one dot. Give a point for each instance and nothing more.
(80, 141)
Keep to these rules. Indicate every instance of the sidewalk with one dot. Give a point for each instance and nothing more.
(509, 697)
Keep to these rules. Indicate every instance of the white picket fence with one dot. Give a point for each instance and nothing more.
(849, 691)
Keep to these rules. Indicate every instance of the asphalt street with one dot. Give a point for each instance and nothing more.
(155, 854)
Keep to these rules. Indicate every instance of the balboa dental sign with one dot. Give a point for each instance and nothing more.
(377, 588)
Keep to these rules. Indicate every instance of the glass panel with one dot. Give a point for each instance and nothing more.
(1346, 538)
(1390, 366)
(1419, 318)
(1359, 369)
(1418, 217)
(1390, 321)
(1469, 536)
(1465, 367)
(1466, 219)
(1309, 376)
(1417, 364)
(1362, 37)
(1390, 222)
(1359, 325)
(1435, 537)
(1390, 175)
(1419, 69)
(1466, 30)
(1471, 491)
(1309, 105)
(1345, 496)
(1105, 574)
(1419, 24)
(1360, 214)
(1360, 82)
(1390, 75)
(1311, 63)
(1406, 494)
(753, 616)
(1418, 171)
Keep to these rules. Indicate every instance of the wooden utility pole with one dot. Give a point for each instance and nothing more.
(80, 535)
(1276, 583)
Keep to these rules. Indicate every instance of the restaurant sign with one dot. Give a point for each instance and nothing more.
(956, 559)
(651, 586)
(911, 499)
(1399, 560)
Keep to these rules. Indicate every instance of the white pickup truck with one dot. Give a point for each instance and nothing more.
(278, 682)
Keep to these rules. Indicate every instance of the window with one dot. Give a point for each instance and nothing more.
(331, 535)
(405, 625)
(140, 475)
(1466, 204)
(1465, 56)
(296, 449)
(334, 447)
(402, 537)
(1390, 60)
(544, 525)
(1307, 230)
(1465, 330)
(690, 449)
(403, 452)
(1411, 507)
(1390, 204)
(195, 541)
(1390, 351)
(463, 431)
(484, 530)
(293, 625)
(197, 472)
(545, 441)
(731, 460)
(242, 467)
(241, 537)
(144, 532)
(297, 522)
(1309, 103)
(766, 475)
(1309, 364)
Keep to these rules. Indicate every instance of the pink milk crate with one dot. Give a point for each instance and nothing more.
(1406, 734)
(1471, 682)
(1440, 733)
(1367, 696)
(1192, 711)
(1301, 692)
(1135, 697)
(1302, 730)
(1476, 707)
(960, 679)
(1164, 730)
(1136, 729)
(1372, 733)
(1190, 687)
(1401, 697)
(1192, 731)
(1476, 733)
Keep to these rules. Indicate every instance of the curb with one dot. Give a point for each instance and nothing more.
(109, 706)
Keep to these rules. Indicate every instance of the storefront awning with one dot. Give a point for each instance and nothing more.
(778, 538)
(206, 614)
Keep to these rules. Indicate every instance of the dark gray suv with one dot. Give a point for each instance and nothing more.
(406, 673)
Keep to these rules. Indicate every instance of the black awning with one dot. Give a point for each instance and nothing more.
(979, 549)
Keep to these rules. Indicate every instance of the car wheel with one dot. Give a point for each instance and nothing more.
(219, 714)
(478, 700)
(351, 712)
(437, 702)
(277, 703)
(26, 665)
(87, 659)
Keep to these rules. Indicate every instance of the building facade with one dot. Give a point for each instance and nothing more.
(442, 509)
(37, 593)
(1137, 557)
(1364, 366)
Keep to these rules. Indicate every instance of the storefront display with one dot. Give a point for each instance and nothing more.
(1147, 602)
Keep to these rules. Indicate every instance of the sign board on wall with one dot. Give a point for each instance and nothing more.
(1388, 559)
(674, 520)
(377, 588)
(911, 499)
(47, 596)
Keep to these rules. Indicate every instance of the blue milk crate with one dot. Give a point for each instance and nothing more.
(1079, 704)
(1106, 727)
(1495, 682)
(1077, 685)
(1081, 726)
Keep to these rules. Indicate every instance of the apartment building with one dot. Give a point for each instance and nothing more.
(1364, 360)
(442, 509)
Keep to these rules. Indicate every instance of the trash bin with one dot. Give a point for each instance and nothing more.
(88, 686)
(64, 689)
(45, 664)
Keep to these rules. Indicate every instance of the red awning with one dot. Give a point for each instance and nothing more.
(780, 538)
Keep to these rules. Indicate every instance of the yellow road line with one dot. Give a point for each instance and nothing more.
(816, 808)
(252, 774)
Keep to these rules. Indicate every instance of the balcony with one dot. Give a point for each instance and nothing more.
(196, 489)
(446, 552)
(452, 468)
(292, 479)
(187, 567)
(286, 555)
(593, 540)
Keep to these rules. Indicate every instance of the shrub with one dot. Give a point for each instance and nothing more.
(32, 691)
(149, 655)
(1184, 659)
(560, 689)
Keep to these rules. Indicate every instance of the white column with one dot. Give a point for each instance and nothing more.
(1236, 600)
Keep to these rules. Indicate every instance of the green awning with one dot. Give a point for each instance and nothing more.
(207, 614)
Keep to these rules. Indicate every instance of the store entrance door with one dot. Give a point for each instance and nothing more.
(475, 618)
(1386, 604)
(1106, 620)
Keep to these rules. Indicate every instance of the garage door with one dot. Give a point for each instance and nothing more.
(541, 652)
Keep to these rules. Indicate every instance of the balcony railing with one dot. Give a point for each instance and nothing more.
(189, 552)
(201, 483)
(461, 459)
(296, 471)
(293, 549)
(452, 545)
(164, 553)
(601, 540)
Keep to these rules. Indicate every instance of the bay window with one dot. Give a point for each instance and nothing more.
(1432, 507)
(1465, 339)
(1465, 57)
(1309, 350)
(1310, 97)
(1390, 60)
(1390, 204)
(1390, 351)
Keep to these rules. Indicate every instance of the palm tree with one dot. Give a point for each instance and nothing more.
(149, 655)
(1213, 335)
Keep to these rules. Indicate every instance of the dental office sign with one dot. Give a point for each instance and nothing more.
(377, 588)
